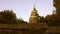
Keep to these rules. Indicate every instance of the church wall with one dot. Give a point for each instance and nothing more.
(20, 31)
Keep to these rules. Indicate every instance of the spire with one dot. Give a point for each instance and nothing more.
(34, 7)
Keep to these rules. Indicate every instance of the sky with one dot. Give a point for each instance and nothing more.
(23, 8)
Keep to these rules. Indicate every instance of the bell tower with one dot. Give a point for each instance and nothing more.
(34, 18)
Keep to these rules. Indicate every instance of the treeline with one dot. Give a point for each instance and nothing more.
(51, 20)
(9, 17)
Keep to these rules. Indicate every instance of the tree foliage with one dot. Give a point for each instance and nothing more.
(9, 17)
(51, 20)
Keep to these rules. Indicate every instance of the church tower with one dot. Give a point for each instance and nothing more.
(34, 18)
(57, 6)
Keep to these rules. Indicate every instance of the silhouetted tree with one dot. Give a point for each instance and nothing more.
(9, 17)
(21, 21)
(53, 20)
(42, 19)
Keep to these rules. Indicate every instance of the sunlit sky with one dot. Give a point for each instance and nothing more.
(23, 8)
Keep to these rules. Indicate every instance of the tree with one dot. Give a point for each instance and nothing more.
(42, 19)
(9, 17)
(53, 20)
(21, 21)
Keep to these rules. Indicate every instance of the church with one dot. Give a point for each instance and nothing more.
(34, 26)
